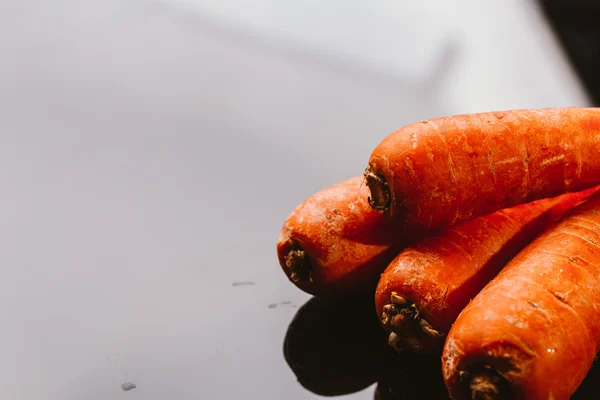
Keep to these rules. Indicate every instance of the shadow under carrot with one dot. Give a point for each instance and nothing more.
(337, 348)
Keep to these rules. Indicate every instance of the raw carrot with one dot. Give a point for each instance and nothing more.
(434, 173)
(533, 331)
(334, 243)
(428, 284)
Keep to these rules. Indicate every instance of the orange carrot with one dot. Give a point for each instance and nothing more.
(533, 331)
(335, 243)
(428, 284)
(435, 173)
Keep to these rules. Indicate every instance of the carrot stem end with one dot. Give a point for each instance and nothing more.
(407, 326)
(298, 264)
(486, 384)
(380, 198)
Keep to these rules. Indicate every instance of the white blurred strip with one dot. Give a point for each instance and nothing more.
(508, 56)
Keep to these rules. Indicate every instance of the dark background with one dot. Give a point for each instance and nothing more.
(576, 25)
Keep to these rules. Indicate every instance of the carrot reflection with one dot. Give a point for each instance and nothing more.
(339, 348)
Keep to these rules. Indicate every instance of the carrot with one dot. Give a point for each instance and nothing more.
(434, 173)
(427, 285)
(334, 243)
(533, 331)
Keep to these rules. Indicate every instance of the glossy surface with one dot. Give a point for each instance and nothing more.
(150, 153)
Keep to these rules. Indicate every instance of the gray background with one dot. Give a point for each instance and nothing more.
(150, 151)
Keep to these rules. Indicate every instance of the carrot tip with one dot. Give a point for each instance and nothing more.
(483, 388)
(394, 340)
(486, 385)
(397, 299)
(298, 264)
(380, 198)
(427, 329)
(408, 328)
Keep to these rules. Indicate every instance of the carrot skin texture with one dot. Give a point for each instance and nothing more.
(348, 244)
(444, 271)
(454, 168)
(537, 324)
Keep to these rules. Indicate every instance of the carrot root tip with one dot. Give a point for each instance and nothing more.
(427, 329)
(486, 384)
(408, 327)
(398, 300)
(395, 341)
(381, 197)
(298, 264)
(483, 388)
